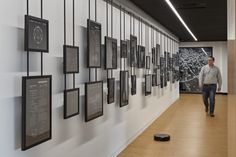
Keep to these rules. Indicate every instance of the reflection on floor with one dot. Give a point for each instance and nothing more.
(193, 133)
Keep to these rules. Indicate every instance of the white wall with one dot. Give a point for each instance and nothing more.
(103, 137)
(220, 54)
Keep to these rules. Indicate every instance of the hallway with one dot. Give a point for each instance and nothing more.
(193, 134)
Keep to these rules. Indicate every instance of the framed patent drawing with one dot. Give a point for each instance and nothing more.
(133, 51)
(148, 62)
(162, 81)
(148, 84)
(93, 100)
(70, 59)
(158, 77)
(111, 53)
(36, 34)
(154, 80)
(158, 53)
(111, 90)
(124, 49)
(94, 44)
(153, 56)
(124, 88)
(141, 56)
(71, 102)
(36, 110)
(133, 85)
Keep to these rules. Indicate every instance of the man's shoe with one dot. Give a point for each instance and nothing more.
(212, 115)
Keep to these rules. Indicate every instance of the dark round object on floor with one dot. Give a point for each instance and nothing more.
(162, 137)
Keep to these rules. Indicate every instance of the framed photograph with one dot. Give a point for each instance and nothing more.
(162, 65)
(70, 59)
(133, 51)
(123, 49)
(133, 85)
(93, 100)
(148, 84)
(36, 34)
(153, 56)
(71, 102)
(148, 64)
(141, 56)
(168, 62)
(158, 54)
(154, 80)
(111, 90)
(36, 110)
(94, 44)
(111, 53)
(124, 88)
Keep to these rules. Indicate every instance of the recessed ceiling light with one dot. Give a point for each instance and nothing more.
(180, 18)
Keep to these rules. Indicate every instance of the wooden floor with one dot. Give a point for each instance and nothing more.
(193, 133)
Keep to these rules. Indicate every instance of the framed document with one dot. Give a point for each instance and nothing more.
(154, 56)
(158, 76)
(71, 102)
(148, 84)
(123, 49)
(141, 56)
(148, 62)
(36, 110)
(71, 59)
(93, 100)
(111, 53)
(133, 51)
(36, 34)
(154, 80)
(94, 44)
(124, 88)
(158, 54)
(133, 85)
(111, 90)
(162, 81)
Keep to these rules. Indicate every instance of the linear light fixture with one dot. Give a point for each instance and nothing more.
(180, 18)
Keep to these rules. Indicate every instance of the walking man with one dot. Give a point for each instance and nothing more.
(208, 78)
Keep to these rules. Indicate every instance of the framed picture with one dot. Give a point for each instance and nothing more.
(93, 100)
(71, 59)
(158, 73)
(162, 65)
(133, 51)
(148, 84)
(111, 90)
(154, 80)
(158, 54)
(168, 62)
(71, 102)
(124, 88)
(162, 81)
(133, 84)
(94, 44)
(141, 56)
(148, 62)
(36, 110)
(123, 49)
(111, 53)
(153, 56)
(36, 34)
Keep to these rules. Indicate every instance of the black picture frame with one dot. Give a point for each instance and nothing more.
(148, 84)
(153, 56)
(154, 80)
(124, 88)
(94, 38)
(133, 51)
(36, 34)
(158, 73)
(124, 49)
(71, 103)
(133, 85)
(111, 90)
(141, 56)
(93, 100)
(148, 60)
(162, 81)
(110, 53)
(36, 110)
(70, 59)
(158, 54)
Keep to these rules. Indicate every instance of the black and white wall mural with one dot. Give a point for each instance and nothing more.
(191, 60)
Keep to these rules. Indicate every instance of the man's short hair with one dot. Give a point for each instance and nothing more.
(213, 58)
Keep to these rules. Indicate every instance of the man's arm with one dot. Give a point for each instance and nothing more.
(201, 78)
(219, 80)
